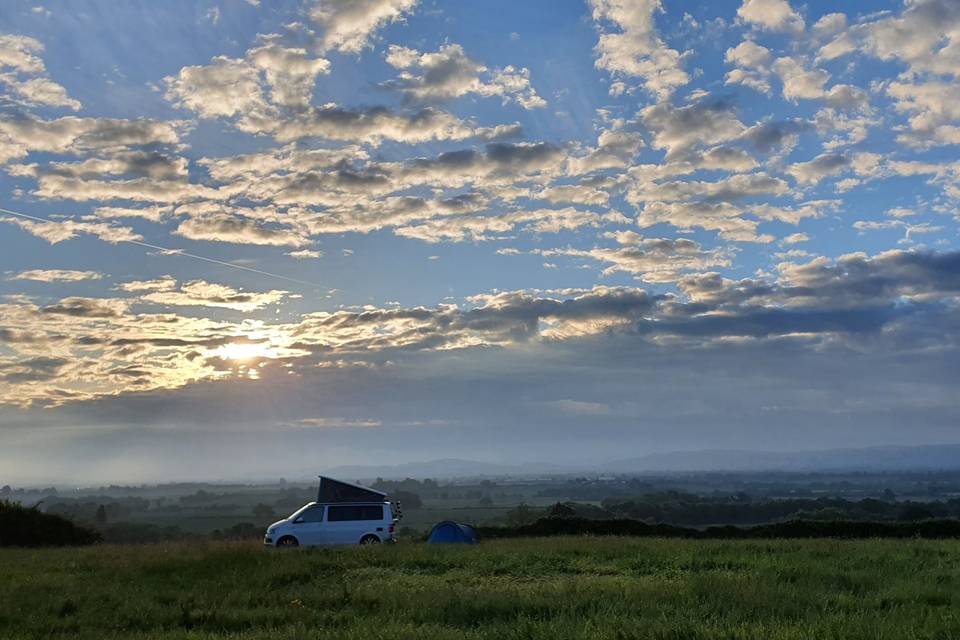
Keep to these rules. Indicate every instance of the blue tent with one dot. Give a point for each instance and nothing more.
(450, 532)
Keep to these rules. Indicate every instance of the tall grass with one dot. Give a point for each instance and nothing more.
(565, 587)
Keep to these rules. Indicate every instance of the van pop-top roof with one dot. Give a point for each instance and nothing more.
(338, 491)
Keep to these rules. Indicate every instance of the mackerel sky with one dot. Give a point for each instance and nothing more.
(248, 239)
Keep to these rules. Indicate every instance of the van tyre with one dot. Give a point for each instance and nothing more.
(288, 542)
(370, 539)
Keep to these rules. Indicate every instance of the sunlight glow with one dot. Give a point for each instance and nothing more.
(245, 351)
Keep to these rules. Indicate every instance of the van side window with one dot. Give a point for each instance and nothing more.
(313, 514)
(345, 512)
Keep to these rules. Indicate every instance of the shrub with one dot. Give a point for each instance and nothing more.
(793, 529)
(24, 527)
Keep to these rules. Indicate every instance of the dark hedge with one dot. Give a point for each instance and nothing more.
(24, 527)
(792, 529)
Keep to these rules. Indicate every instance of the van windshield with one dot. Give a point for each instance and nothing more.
(299, 512)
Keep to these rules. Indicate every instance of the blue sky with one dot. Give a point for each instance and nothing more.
(345, 232)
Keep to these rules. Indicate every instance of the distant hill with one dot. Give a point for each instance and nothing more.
(445, 468)
(885, 458)
(888, 458)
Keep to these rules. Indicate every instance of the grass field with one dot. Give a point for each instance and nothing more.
(534, 588)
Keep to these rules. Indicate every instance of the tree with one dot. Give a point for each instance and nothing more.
(101, 516)
(263, 512)
(408, 499)
(520, 515)
(561, 510)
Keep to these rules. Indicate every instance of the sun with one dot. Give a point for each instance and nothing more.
(245, 351)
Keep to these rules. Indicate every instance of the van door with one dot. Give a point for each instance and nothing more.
(347, 524)
(342, 524)
(309, 527)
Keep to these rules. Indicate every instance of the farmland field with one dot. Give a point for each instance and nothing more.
(533, 588)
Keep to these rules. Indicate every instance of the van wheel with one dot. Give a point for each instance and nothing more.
(288, 542)
(371, 539)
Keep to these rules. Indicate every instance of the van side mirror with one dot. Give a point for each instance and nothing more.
(298, 520)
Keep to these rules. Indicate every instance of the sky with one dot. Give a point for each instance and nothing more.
(245, 239)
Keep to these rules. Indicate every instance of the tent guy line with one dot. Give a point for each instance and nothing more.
(176, 252)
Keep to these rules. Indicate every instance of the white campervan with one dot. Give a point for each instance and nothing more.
(344, 514)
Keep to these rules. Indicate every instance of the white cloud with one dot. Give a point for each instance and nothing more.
(679, 129)
(223, 88)
(752, 62)
(57, 275)
(199, 293)
(798, 81)
(795, 238)
(824, 165)
(58, 231)
(449, 73)
(305, 254)
(24, 72)
(655, 260)
(771, 15)
(349, 26)
(637, 50)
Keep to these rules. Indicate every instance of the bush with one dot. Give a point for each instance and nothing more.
(24, 527)
(792, 529)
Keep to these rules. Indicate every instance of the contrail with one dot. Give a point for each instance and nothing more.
(178, 252)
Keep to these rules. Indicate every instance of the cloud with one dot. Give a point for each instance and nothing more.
(479, 227)
(21, 134)
(199, 293)
(680, 129)
(58, 231)
(637, 49)
(337, 423)
(24, 72)
(21, 53)
(305, 254)
(924, 37)
(824, 165)
(223, 88)
(771, 15)
(349, 26)
(153, 214)
(370, 125)
(38, 369)
(795, 238)
(57, 275)
(887, 297)
(87, 307)
(771, 135)
(223, 226)
(798, 81)
(615, 149)
(289, 72)
(448, 73)
(164, 283)
(752, 62)
(655, 260)
(723, 217)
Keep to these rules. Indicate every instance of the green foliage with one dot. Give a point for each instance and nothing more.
(562, 588)
(24, 527)
(565, 526)
(676, 507)
(407, 499)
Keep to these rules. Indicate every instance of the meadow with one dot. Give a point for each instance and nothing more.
(565, 587)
